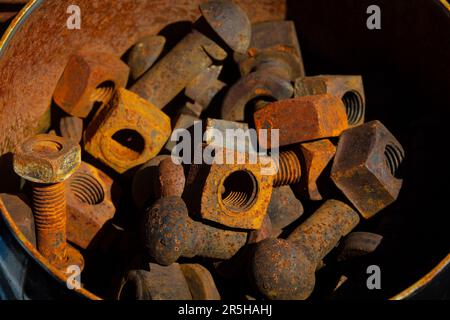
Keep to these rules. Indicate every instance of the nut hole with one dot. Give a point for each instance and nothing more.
(239, 191)
(353, 106)
(87, 189)
(131, 144)
(394, 157)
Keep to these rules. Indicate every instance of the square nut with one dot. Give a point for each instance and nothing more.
(89, 194)
(233, 195)
(302, 119)
(348, 88)
(365, 167)
(127, 132)
(89, 77)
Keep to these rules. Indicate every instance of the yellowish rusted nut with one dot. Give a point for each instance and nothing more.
(127, 132)
(348, 88)
(200, 281)
(234, 195)
(89, 77)
(89, 194)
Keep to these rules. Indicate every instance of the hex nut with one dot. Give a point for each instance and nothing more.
(365, 167)
(302, 119)
(46, 158)
(127, 132)
(89, 77)
(89, 194)
(348, 88)
(234, 195)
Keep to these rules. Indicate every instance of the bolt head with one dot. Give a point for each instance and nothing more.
(46, 158)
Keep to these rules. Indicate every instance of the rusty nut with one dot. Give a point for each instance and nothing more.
(89, 77)
(234, 195)
(46, 158)
(365, 167)
(89, 204)
(127, 132)
(348, 88)
(302, 119)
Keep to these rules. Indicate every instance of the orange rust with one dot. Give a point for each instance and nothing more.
(200, 281)
(303, 119)
(89, 77)
(289, 169)
(348, 88)
(127, 132)
(316, 156)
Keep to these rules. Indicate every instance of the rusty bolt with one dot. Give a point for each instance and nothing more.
(200, 282)
(348, 88)
(168, 77)
(365, 167)
(274, 47)
(143, 54)
(205, 86)
(160, 177)
(234, 195)
(303, 119)
(317, 155)
(90, 205)
(284, 269)
(46, 161)
(71, 128)
(169, 233)
(127, 132)
(156, 283)
(357, 244)
(89, 77)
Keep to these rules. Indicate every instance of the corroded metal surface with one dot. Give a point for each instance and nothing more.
(46, 161)
(90, 204)
(205, 86)
(316, 155)
(284, 269)
(144, 54)
(200, 281)
(357, 244)
(89, 77)
(303, 119)
(127, 132)
(169, 233)
(234, 195)
(365, 167)
(289, 169)
(32, 63)
(170, 180)
(348, 88)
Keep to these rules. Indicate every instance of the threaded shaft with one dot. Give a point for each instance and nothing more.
(102, 94)
(49, 209)
(289, 169)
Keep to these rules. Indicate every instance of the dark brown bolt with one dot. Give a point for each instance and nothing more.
(47, 161)
(195, 53)
(169, 233)
(285, 269)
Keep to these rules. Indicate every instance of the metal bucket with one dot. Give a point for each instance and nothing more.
(405, 69)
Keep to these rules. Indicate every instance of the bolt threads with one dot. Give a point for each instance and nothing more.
(236, 199)
(289, 169)
(354, 107)
(102, 94)
(49, 204)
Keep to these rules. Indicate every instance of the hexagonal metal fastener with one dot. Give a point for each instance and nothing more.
(127, 132)
(46, 158)
(303, 119)
(89, 77)
(348, 88)
(365, 167)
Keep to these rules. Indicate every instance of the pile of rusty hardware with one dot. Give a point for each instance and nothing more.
(105, 192)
